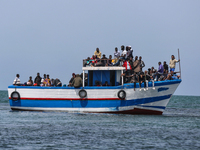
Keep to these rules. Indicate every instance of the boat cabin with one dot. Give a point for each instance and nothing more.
(103, 74)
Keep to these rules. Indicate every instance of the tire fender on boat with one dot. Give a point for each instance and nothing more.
(82, 93)
(121, 94)
(15, 96)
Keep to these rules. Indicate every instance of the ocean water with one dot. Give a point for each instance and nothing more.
(178, 128)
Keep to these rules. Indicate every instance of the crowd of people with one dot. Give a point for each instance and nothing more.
(133, 66)
(38, 81)
(133, 72)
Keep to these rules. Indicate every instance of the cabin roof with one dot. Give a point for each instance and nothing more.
(103, 68)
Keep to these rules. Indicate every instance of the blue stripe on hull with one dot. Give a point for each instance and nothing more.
(87, 103)
(127, 85)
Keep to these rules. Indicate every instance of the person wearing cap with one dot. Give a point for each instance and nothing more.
(97, 53)
(71, 80)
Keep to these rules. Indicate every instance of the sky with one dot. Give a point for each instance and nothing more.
(54, 36)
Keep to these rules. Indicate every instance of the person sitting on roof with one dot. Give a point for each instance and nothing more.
(16, 81)
(97, 53)
(77, 82)
(116, 56)
(122, 57)
(94, 61)
(110, 60)
(116, 53)
(87, 62)
(103, 61)
(129, 52)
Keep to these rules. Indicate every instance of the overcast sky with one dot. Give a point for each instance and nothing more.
(53, 37)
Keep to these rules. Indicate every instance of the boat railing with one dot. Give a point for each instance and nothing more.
(102, 62)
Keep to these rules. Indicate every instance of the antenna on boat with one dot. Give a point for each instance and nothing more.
(179, 62)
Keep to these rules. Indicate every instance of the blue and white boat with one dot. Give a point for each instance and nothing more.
(119, 99)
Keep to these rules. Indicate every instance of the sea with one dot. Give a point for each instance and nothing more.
(177, 129)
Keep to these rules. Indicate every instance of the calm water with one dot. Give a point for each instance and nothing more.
(177, 128)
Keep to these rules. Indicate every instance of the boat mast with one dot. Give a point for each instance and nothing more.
(179, 63)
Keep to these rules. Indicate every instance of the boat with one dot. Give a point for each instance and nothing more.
(116, 99)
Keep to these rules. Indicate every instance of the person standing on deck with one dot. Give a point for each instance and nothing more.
(136, 65)
(172, 63)
(142, 65)
(77, 82)
(71, 80)
(128, 69)
(97, 53)
(116, 53)
(124, 52)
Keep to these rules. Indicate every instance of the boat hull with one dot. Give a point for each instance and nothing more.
(98, 100)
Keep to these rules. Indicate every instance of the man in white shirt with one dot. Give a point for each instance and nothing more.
(116, 53)
(16, 80)
(124, 52)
